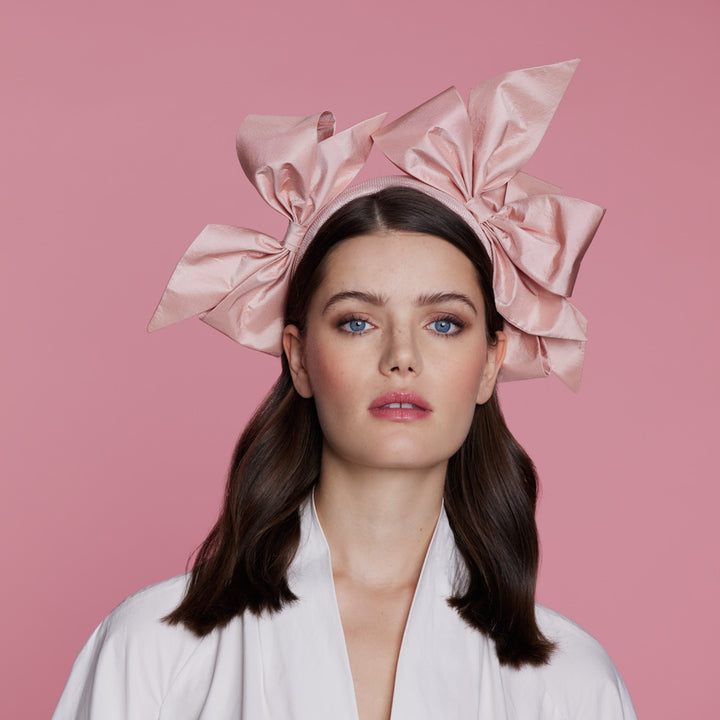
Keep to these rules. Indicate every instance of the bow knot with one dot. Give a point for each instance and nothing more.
(481, 208)
(294, 236)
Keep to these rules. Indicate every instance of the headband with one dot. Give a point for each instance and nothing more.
(467, 157)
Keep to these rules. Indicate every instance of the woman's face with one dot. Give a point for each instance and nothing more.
(395, 351)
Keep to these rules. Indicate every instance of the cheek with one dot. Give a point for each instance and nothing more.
(462, 401)
(332, 376)
(467, 382)
(464, 372)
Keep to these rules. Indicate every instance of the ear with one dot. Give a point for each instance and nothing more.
(493, 363)
(293, 346)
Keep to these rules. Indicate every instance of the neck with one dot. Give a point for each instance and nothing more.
(378, 522)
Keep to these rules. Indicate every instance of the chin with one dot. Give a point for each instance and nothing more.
(402, 458)
(399, 452)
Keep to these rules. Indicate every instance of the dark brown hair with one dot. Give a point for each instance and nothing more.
(490, 487)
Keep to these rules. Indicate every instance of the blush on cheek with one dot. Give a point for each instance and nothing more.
(468, 376)
(329, 374)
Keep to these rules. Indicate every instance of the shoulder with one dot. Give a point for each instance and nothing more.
(132, 658)
(577, 652)
(136, 625)
(143, 611)
(580, 680)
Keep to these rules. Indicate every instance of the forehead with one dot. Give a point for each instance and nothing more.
(396, 261)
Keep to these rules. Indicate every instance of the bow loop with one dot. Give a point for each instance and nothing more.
(433, 143)
(529, 356)
(468, 151)
(509, 116)
(530, 307)
(298, 165)
(235, 280)
(546, 237)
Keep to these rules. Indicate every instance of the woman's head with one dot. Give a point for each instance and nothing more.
(490, 483)
(393, 304)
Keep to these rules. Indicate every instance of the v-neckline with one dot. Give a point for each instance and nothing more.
(338, 630)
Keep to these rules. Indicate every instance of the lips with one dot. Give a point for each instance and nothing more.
(400, 406)
(400, 399)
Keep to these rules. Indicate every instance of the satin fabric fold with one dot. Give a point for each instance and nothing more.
(468, 157)
(236, 279)
(536, 236)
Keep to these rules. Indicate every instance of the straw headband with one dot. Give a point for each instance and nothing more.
(467, 157)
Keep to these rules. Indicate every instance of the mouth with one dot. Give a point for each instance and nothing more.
(407, 406)
(400, 406)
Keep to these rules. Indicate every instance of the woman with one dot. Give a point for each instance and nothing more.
(377, 552)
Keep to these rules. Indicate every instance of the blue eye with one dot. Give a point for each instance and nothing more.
(442, 326)
(356, 325)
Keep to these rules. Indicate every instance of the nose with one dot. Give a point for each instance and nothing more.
(401, 355)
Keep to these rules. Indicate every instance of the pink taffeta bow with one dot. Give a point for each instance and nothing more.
(536, 237)
(236, 279)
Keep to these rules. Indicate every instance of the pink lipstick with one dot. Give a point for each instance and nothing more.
(400, 406)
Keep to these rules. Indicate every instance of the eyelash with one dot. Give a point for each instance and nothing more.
(350, 318)
(457, 322)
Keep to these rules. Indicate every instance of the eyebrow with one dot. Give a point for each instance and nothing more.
(380, 300)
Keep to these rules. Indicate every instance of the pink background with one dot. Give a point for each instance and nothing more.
(118, 128)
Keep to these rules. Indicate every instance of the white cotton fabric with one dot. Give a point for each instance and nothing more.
(293, 665)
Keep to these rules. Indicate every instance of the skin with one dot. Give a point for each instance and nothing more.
(381, 481)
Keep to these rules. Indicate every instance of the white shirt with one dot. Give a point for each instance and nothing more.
(293, 665)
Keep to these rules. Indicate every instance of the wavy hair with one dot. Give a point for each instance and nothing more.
(490, 487)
